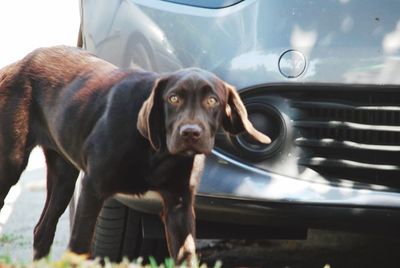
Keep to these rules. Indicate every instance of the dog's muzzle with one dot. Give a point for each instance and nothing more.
(190, 132)
(189, 139)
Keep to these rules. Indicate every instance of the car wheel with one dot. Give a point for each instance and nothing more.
(139, 53)
(119, 234)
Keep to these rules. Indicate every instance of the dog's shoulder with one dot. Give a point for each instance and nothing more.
(138, 83)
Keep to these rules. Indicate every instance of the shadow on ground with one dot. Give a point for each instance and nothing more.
(321, 249)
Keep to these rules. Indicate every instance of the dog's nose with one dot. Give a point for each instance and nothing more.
(190, 131)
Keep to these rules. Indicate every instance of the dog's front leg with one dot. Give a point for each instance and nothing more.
(89, 205)
(179, 221)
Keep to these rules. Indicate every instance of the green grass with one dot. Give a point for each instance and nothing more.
(76, 261)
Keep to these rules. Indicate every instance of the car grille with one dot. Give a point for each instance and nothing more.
(349, 134)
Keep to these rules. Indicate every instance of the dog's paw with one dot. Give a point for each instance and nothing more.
(187, 253)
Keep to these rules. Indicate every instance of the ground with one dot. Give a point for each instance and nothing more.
(22, 211)
(322, 249)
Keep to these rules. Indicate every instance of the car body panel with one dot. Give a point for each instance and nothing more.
(227, 177)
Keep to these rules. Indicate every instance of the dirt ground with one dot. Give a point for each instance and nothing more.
(322, 249)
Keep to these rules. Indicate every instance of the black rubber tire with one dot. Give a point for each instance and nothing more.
(138, 52)
(118, 234)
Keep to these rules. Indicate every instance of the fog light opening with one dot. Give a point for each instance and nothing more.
(268, 120)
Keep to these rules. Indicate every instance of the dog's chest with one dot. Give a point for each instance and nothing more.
(168, 170)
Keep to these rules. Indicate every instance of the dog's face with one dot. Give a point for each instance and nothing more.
(186, 108)
(193, 107)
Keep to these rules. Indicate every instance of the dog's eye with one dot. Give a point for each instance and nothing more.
(212, 101)
(174, 99)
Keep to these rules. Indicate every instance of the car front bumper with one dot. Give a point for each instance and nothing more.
(232, 192)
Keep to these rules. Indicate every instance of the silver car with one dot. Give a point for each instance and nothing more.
(322, 78)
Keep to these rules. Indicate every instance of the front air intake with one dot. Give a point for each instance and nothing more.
(352, 135)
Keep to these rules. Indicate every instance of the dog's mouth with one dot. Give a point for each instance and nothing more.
(189, 149)
(193, 149)
(189, 153)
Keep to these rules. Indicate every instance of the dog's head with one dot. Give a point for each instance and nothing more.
(186, 108)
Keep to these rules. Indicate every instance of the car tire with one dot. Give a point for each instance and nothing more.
(118, 234)
(139, 53)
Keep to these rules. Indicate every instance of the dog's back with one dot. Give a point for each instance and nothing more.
(53, 97)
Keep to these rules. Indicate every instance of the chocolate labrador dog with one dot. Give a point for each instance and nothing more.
(129, 131)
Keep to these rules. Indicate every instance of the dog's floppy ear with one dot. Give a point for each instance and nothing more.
(151, 116)
(235, 119)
